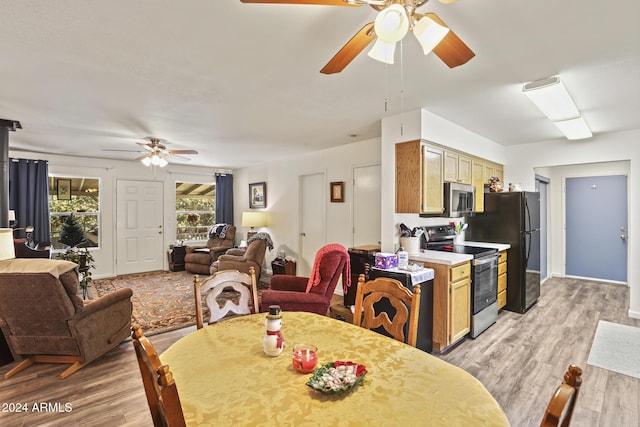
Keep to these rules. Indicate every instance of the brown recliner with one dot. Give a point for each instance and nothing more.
(198, 259)
(44, 320)
(241, 259)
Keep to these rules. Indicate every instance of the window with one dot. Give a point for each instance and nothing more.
(78, 196)
(195, 210)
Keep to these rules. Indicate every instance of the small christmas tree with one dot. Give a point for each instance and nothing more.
(71, 233)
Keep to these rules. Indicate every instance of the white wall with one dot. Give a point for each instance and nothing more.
(283, 198)
(619, 147)
(109, 171)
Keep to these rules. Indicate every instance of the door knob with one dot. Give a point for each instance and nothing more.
(623, 229)
(623, 237)
(303, 234)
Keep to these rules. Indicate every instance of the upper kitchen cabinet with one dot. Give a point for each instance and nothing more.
(481, 172)
(419, 178)
(457, 167)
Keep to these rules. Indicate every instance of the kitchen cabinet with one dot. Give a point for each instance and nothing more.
(451, 303)
(419, 178)
(502, 279)
(457, 167)
(477, 180)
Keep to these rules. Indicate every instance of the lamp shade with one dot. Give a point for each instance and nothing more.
(392, 23)
(7, 250)
(429, 33)
(383, 51)
(254, 219)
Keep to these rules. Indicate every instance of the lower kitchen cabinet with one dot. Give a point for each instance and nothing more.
(451, 303)
(502, 279)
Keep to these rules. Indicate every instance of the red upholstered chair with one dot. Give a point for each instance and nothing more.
(290, 292)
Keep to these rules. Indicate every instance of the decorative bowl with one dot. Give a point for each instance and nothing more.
(337, 377)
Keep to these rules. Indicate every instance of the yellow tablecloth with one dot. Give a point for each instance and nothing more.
(224, 378)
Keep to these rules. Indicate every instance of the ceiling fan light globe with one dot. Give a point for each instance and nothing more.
(429, 33)
(155, 160)
(382, 51)
(162, 162)
(392, 23)
(146, 161)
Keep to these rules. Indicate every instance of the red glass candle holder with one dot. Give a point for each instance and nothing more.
(304, 358)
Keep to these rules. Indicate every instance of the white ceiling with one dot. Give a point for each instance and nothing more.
(240, 83)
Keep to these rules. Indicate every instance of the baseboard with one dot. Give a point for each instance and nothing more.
(634, 314)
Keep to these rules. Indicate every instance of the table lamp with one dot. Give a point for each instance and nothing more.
(7, 250)
(253, 219)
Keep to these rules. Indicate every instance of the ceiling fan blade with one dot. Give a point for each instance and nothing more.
(129, 151)
(145, 146)
(451, 50)
(448, 1)
(320, 2)
(173, 152)
(350, 50)
(179, 157)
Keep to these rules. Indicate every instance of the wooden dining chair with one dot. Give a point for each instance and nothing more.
(212, 286)
(161, 391)
(560, 408)
(405, 303)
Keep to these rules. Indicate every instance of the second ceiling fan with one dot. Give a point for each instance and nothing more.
(395, 18)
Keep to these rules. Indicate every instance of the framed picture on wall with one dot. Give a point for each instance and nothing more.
(258, 195)
(64, 189)
(337, 191)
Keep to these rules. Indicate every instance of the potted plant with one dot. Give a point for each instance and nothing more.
(73, 237)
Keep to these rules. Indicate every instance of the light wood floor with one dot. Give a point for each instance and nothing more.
(520, 359)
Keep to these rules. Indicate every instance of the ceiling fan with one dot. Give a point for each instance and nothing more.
(156, 152)
(395, 18)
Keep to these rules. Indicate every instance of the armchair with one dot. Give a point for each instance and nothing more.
(44, 320)
(198, 259)
(242, 260)
(294, 293)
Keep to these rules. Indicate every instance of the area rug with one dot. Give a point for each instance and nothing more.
(162, 301)
(616, 348)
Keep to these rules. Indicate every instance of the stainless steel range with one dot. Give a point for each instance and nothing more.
(484, 274)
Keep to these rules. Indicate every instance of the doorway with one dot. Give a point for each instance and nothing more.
(313, 230)
(542, 187)
(596, 228)
(366, 205)
(139, 226)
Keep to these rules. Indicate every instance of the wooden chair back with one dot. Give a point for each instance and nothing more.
(560, 408)
(405, 303)
(243, 283)
(161, 391)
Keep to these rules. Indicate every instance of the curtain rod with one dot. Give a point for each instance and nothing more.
(170, 172)
(81, 166)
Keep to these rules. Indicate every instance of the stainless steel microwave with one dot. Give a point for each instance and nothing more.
(459, 199)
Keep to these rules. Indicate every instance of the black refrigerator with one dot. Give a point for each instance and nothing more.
(513, 218)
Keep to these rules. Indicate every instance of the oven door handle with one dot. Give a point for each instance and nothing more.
(486, 260)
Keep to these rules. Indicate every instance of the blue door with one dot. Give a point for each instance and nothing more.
(596, 227)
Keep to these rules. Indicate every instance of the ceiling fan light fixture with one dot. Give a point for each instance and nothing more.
(162, 162)
(383, 51)
(146, 161)
(392, 23)
(429, 33)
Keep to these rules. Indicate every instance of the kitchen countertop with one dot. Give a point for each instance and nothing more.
(498, 246)
(438, 257)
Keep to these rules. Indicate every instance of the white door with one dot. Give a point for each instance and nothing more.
(596, 227)
(139, 230)
(313, 230)
(366, 205)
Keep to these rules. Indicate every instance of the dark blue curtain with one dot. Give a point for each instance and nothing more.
(224, 198)
(29, 195)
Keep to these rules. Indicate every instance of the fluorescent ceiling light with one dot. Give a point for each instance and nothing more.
(574, 128)
(551, 97)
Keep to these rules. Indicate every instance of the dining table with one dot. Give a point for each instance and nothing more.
(224, 378)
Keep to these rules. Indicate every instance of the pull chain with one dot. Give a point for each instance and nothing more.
(401, 89)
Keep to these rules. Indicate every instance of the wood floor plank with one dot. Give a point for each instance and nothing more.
(520, 360)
